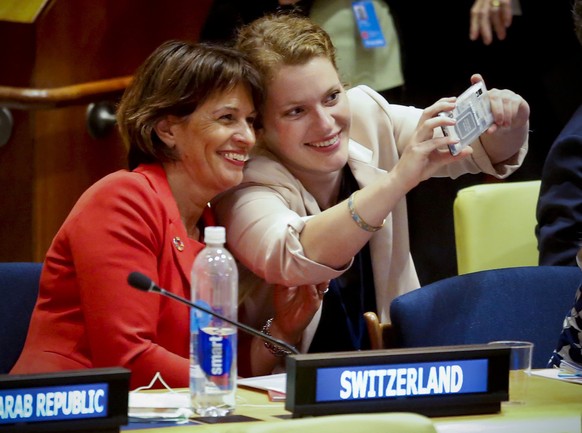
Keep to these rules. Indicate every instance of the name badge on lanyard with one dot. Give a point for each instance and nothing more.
(368, 24)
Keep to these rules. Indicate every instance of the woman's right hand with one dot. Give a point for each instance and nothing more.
(426, 152)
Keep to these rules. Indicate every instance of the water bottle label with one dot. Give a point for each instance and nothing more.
(215, 350)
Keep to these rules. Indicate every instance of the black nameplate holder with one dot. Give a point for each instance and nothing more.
(432, 381)
(83, 401)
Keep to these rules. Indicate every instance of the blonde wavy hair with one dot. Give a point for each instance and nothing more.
(283, 39)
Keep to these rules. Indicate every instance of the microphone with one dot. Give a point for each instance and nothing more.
(142, 282)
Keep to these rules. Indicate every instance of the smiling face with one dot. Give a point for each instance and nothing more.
(213, 142)
(307, 118)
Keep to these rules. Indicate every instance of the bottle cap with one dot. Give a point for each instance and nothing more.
(214, 235)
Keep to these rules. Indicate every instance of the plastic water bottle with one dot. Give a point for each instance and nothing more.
(213, 342)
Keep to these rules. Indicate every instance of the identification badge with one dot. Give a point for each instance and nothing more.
(368, 24)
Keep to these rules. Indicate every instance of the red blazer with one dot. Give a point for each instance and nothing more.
(86, 314)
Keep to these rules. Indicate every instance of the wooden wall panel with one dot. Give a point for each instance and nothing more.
(51, 159)
(16, 156)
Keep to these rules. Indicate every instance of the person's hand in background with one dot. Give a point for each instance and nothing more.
(488, 17)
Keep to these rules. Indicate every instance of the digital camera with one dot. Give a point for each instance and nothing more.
(473, 115)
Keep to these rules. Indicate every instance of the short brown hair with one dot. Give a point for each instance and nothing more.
(283, 39)
(174, 80)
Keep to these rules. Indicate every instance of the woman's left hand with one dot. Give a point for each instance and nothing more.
(509, 109)
(295, 308)
(506, 135)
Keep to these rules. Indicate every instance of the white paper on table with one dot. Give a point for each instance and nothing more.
(165, 405)
(272, 382)
(553, 373)
(159, 400)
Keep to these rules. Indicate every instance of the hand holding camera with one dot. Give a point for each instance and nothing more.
(473, 116)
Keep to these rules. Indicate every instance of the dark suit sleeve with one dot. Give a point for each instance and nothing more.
(559, 208)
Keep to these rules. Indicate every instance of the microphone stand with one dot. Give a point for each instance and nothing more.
(141, 282)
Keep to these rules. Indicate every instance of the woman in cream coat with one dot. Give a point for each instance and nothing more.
(296, 218)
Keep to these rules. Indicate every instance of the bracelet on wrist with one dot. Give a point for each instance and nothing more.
(277, 351)
(358, 219)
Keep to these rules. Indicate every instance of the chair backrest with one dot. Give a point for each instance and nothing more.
(18, 291)
(521, 303)
(495, 226)
(380, 333)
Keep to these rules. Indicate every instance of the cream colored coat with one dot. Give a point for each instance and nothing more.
(265, 215)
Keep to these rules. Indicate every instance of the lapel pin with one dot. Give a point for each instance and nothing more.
(178, 243)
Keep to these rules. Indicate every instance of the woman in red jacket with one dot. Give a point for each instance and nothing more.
(187, 120)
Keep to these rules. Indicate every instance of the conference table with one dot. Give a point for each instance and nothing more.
(551, 406)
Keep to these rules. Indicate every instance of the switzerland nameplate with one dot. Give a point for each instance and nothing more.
(433, 381)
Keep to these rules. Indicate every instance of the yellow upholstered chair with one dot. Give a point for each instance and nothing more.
(495, 226)
(396, 422)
